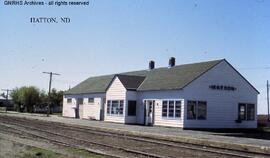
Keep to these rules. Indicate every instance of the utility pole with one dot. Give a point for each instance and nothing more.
(50, 84)
(7, 90)
(268, 102)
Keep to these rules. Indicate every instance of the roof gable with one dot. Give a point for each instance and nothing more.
(131, 82)
(242, 76)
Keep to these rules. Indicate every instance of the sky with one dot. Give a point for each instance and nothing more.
(108, 36)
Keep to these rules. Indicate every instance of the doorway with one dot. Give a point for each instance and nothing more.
(149, 112)
(103, 102)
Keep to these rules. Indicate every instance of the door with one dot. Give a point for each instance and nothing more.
(149, 112)
(81, 111)
(102, 109)
(79, 108)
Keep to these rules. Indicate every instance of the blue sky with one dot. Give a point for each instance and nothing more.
(117, 36)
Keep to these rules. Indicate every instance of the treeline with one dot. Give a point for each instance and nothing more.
(27, 99)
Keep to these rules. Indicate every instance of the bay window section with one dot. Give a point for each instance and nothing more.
(177, 108)
(115, 107)
(171, 109)
(164, 108)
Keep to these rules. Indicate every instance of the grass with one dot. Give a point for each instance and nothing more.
(84, 153)
(33, 152)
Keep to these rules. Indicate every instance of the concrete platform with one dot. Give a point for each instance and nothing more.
(175, 134)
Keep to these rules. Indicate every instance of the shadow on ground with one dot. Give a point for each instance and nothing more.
(260, 133)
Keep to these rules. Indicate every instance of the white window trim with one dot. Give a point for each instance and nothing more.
(174, 109)
(118, 114)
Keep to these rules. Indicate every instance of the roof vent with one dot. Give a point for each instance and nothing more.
(151, 65)
(172, 62)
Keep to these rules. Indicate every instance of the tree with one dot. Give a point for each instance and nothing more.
(15, 97)
(57, 98)
(26, 97)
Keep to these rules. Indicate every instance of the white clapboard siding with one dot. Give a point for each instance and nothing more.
(158, 96)
(222, 106)
(68, 108)
(130, 95)
(116, 91)
(87, 111)
(172, 122)
(92, 110)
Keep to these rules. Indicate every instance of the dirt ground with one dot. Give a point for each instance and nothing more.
(15, 147)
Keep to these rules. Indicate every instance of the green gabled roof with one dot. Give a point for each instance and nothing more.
(163, 78)
(176, 77)
(97, 84)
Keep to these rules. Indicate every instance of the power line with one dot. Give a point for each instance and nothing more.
(254, 68)
(50, 84)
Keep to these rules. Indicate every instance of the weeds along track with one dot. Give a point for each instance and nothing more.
(113, 143)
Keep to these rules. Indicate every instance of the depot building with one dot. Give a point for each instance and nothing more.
(210, 94)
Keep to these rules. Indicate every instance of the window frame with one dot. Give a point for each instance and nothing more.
(167, 108)
(92, 100)
(246, 115)
(68, 100)
(200, 103)
(80, 101)
(133, 113)
(196, 111)
(119, 111)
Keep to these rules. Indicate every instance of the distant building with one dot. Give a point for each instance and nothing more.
(6, 103)
(209, 94)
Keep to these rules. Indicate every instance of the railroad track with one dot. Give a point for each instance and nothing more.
(30, 136)
(217, 151)
(58, 141)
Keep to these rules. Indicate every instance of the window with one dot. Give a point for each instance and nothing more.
(131, 108)
(246, 111)
(196, 110)
(164, 108)
(177, 108)
(90, 100)
(242, 111)
(191, 110)
(115, 107)
(121, 107)
(171, 108)
(201, 110)
(251, 112)
(69, 100)
(80, 101)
